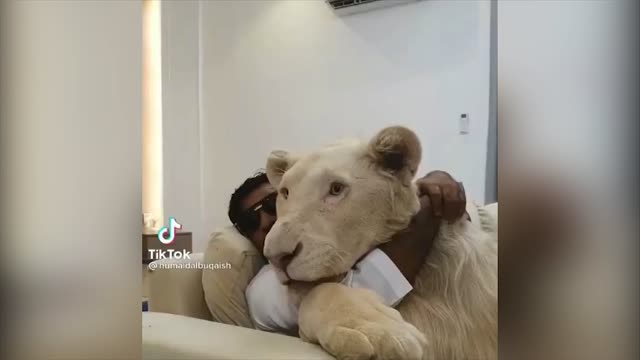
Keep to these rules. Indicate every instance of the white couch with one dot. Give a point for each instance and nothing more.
(189, 310)
(171, 337)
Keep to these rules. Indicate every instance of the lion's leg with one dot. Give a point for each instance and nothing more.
(354, 324)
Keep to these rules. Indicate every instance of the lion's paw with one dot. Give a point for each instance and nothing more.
(380, 339)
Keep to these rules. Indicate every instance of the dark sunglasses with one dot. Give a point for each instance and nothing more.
(249, 220)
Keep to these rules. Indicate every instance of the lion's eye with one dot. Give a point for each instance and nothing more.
(284, 192)
(336, 189)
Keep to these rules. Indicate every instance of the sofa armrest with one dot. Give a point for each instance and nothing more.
(166, 336)
(176, 288)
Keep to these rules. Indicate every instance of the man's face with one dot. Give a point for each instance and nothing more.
(266, 220)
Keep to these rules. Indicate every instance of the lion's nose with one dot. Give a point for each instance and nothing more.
(283, 259)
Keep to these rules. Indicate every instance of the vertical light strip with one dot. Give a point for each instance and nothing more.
(152, 206)
(201, 114)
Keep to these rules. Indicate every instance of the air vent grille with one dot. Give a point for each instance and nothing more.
(345, 7)
(341, 4)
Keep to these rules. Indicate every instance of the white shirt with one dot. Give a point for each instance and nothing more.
(271, 310)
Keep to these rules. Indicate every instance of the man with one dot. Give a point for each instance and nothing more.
(389, 270)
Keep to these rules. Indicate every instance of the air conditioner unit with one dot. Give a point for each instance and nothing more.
(348, 7)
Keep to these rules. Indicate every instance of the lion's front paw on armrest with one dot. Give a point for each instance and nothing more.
(353, 323)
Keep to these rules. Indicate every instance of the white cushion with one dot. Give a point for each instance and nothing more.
(224, 289)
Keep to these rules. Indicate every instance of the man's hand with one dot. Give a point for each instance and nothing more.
(440, 193)
(441, 198)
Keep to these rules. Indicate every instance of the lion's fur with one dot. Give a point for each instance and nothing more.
(454, 302)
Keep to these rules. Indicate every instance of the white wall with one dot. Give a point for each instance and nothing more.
(290, 74)
(181, 122)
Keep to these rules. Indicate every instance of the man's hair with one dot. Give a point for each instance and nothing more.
(235, 204)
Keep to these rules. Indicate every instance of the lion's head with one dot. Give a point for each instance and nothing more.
(336, 204)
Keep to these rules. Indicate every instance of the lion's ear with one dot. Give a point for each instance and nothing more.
(396, 150)
(278, 162)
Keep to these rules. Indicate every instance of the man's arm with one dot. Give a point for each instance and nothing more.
(269, 305)
(441, 198)
(271, 309)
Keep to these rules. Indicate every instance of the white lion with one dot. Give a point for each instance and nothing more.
(338, 203)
